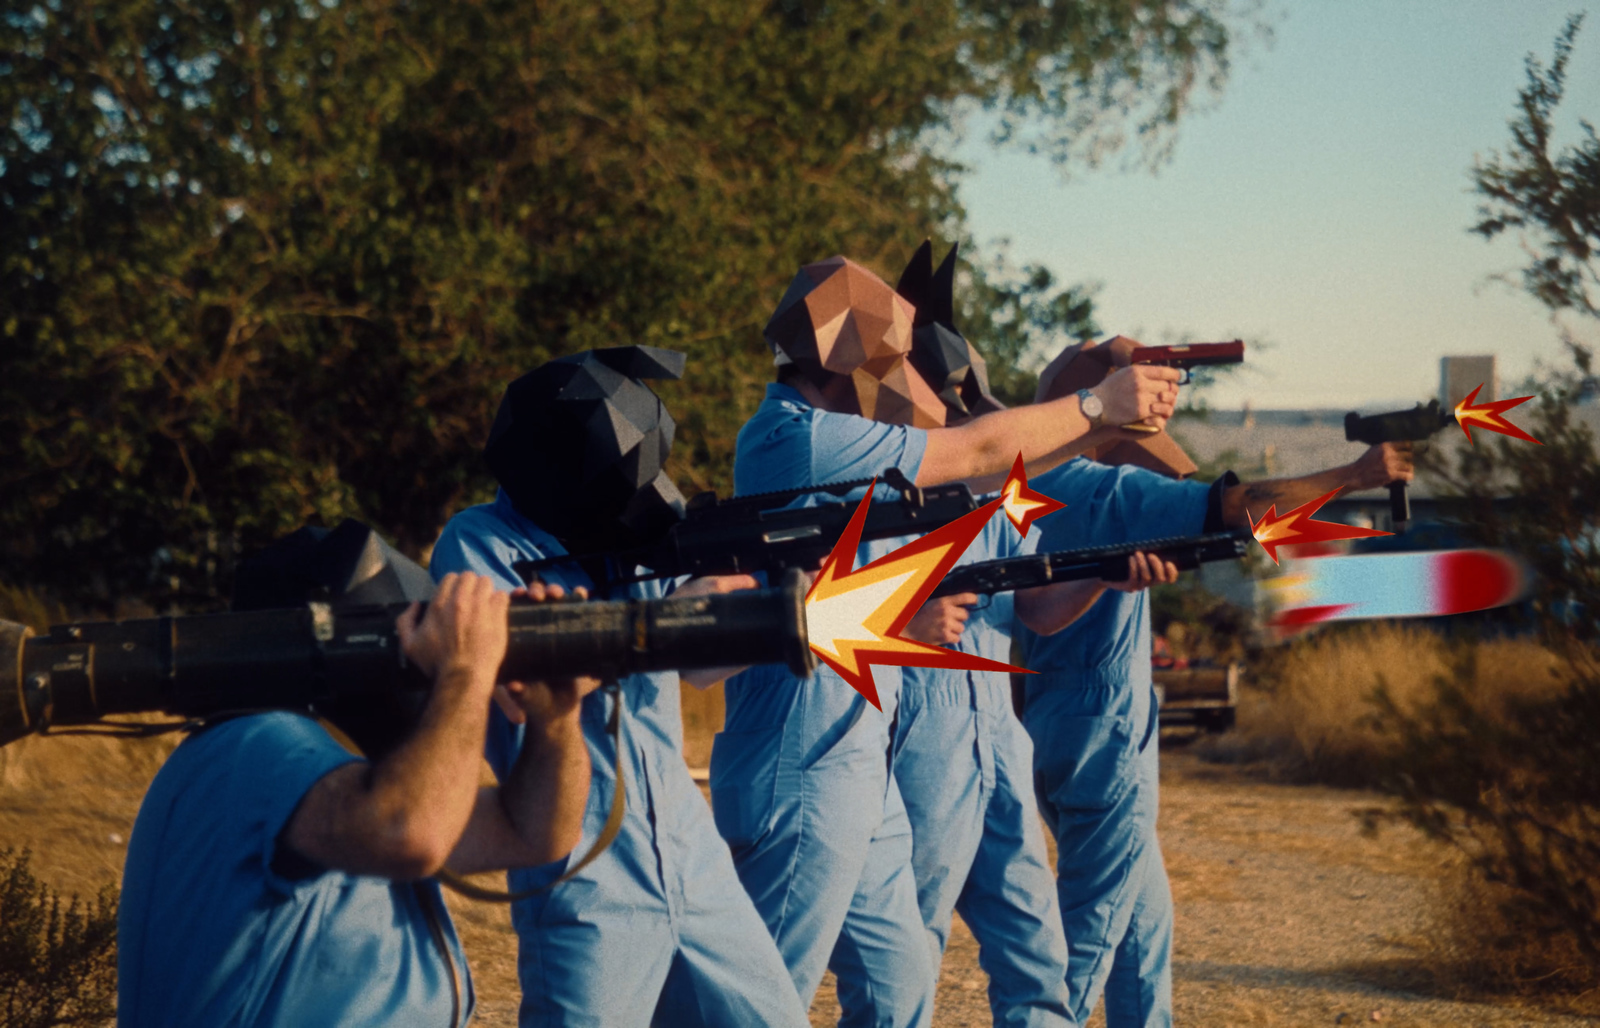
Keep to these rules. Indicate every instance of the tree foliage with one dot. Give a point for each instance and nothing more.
(1514, 784)
(1543, 502)
(1551, 195)
(57, 967)
(272, 261)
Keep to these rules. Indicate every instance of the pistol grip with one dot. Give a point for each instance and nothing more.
(1399, 504)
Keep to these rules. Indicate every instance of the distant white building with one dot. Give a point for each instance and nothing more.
(1459, 376)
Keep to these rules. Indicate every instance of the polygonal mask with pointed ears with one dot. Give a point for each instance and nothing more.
(580, 445)
(939, 352)
(838, 318)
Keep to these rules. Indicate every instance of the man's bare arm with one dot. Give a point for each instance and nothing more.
(982, 451)
(401, 817)
(1380, 465)
(536, 815)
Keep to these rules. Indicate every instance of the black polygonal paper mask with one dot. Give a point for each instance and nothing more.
(580, 444)
(938, 350)
(351, 566)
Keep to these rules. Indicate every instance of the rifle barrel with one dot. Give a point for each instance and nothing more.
(1106, 562)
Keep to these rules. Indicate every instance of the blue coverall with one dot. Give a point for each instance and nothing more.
(965, 768)
(1092, 715)
(799, 775)
(658, 923)
(216, 927)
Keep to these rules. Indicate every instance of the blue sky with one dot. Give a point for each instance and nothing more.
(1321, 206)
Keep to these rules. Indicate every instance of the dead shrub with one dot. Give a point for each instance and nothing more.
(1486, 940)
(30, 607)
(58, 966)
(1311, 714)
(1514, 785)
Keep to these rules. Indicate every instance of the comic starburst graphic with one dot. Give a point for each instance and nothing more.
(854, 618)
(1297, 526)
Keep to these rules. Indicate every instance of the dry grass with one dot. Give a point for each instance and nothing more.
(1310, 715)
(31, 608)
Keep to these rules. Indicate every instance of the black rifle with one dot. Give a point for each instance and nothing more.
(1398, 426)
(762, 533)
(1106, 562)
(312, 656)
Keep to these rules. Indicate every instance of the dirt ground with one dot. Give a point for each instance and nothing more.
(1287, 914)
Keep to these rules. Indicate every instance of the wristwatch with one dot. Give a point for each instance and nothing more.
(1092, 408)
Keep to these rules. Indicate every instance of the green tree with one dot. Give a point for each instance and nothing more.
(273, 261)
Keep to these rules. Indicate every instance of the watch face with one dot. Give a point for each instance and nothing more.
(1090, 404)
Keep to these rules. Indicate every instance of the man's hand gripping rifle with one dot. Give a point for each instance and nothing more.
(1398, 426)
(762, 532)
(1104, 562)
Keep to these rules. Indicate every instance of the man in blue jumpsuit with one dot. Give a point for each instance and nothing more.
(657, 925)
(800, 780)
(1090, 705)
(276, 879)
(962, 762)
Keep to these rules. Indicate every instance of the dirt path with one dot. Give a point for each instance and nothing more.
(1287, 914)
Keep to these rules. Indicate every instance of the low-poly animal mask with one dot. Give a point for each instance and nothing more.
(580, 445)
(838, 318)
(1085, 366)
(939, 352)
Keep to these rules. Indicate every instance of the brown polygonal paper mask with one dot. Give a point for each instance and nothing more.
(838, 318)
(1085, 366)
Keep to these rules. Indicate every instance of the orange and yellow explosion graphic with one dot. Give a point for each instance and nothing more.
(1297, 526)
(1022, 505)
(854, 618)
(1489, 415)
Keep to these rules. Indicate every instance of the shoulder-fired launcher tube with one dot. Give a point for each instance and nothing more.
(297, 658)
